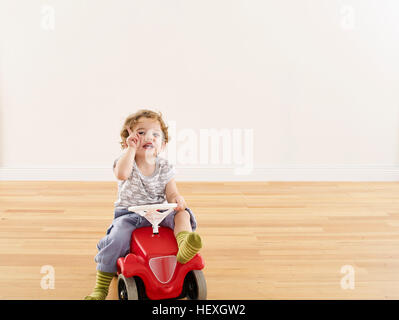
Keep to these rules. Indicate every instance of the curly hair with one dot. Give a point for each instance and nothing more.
(132, 120)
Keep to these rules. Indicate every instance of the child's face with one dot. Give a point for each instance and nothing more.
(151, 137)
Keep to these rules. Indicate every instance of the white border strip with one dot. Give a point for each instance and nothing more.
(269, 173)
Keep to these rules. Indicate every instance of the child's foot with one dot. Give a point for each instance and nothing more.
(189, 244)
(100, 292)
(97, 294)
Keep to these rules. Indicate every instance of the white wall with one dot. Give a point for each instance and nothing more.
(316, 81)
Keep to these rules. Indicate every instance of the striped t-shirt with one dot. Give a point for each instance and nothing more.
(139, 190)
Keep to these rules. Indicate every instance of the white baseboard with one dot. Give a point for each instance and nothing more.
(266, 173)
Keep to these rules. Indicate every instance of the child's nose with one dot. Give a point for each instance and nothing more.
(148, 136)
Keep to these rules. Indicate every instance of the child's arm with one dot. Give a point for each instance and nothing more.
(124, 166)
(173, 196)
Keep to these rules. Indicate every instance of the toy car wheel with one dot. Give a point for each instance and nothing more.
(127, 288)
(195, 285)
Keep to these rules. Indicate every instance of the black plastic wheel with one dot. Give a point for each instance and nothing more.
(195, 285)
(127, 288)
(141, 288)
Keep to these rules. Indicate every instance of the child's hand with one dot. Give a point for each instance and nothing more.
(133, 140)
(181, 203)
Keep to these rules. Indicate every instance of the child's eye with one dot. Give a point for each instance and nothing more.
(156, 134)
(141, 132)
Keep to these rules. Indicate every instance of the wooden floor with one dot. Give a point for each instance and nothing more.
(278, 240)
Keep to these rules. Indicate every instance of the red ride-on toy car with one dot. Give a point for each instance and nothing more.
(150, 270)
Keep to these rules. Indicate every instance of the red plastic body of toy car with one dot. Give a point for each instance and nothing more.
(150, 269)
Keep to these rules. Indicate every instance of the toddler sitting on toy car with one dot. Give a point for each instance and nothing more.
(143, 178)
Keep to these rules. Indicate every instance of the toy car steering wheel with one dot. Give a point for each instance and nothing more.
(152, 214)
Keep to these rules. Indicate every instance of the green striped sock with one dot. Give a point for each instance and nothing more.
(103, 279)
(189, 244)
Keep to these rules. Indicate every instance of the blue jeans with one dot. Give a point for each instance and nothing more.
(116, 242)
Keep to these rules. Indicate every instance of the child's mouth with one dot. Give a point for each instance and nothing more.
(148, 146)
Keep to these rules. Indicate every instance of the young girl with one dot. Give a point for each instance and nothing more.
(143, 178)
